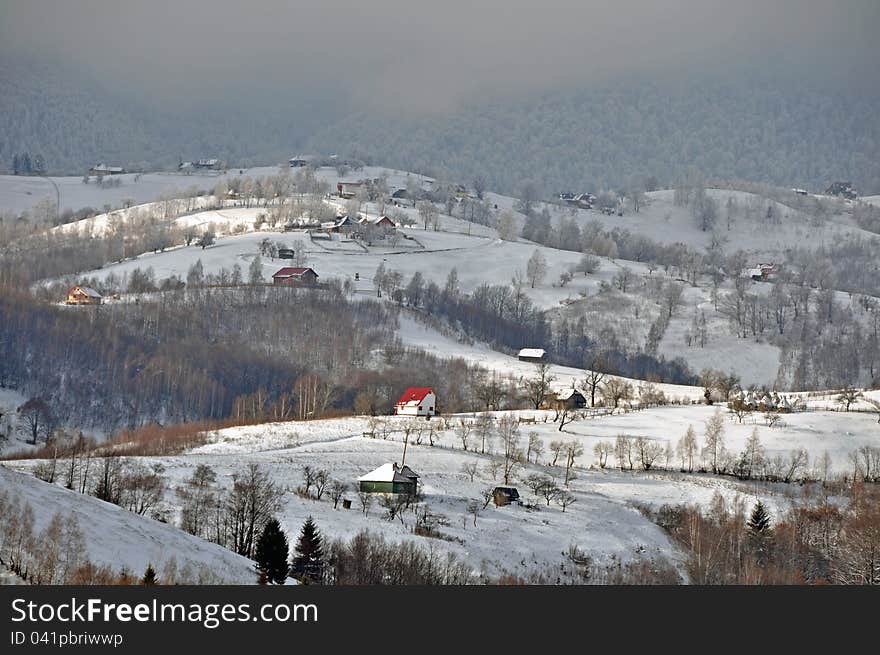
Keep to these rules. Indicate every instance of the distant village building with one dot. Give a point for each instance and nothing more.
(800, 192)
(103, 169)
(286, 253)
(300, 161)
(349, 189)
(295, 275)
(208, 164)
(417, 401)
(842, 189)
(535, 355)
(390, 479)
(761, 272)
(79, 295)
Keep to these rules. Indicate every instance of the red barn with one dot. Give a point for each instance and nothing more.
(417, 401)
(295, 275)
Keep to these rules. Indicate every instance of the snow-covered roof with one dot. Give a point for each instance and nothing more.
(385, 473)
(531, 352)
(565, 394)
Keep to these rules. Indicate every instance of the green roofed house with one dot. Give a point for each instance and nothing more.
(390, 479)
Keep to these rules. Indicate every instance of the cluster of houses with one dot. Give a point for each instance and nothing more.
(354, 226)
(766, 402)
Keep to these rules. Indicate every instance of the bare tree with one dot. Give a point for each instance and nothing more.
(508, 431)
(535, 447)
(556, 447)
(648, 451)
(536, 268)
(36, 418)
(594, 377)
(252, 502)
(713, 449)
(615, 390)
(573, 450)
(536, 388)
(565, 498)
(469, 468)
(337, 490)
(365, 500)
(463, 431)
(602, 450)
(848, 396)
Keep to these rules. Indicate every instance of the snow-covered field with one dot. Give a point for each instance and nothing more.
(18, 193)
(124, 540)
(602, 521)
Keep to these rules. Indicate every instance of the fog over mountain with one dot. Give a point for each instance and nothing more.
(150, 82)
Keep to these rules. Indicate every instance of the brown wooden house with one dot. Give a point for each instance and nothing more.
(295, 275)
(79, 295)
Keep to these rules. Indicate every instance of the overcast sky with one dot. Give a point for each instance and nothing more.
(423, 55)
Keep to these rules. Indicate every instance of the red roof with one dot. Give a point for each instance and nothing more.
(292, 271)
(414, 394)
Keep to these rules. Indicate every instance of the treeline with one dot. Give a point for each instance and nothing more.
(506, 318)
(773, 130)
(817, 541)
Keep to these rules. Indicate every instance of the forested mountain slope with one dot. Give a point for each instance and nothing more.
(782, 133)
(791, 132)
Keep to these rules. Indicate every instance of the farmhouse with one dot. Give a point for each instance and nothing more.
(299, 161)
(103, 169)
(381, 221)
(390, 479)
(295, 275)
(417, 401)
(78, 295)
(762, 272)
(532, 355)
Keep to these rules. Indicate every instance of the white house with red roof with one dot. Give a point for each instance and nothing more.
(417, 401)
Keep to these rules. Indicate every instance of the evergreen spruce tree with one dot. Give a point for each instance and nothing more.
(271, 552)
(149, 576)
(308, 565)
(758, 528)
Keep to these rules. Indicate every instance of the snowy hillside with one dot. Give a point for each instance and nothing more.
(124, 540)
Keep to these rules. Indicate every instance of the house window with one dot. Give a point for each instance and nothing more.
(431, 409)
(420, 408)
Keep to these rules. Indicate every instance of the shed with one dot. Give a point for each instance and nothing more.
(506, 496)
